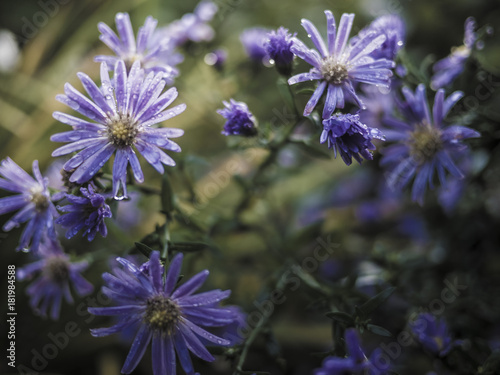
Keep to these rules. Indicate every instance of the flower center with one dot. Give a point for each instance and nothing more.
(122, 130)
(40, 200)
(425, 143)
(57, 269)
(162, 313)
(333, 71)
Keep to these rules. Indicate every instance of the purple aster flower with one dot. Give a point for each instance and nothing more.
(85, 212)
(170, 317)
(351, 138)
(393, 27)
(151, 53)
(240, 120)
(433, 334)
(449, 68)
(56, 272)
(278, 48)
(192, 26)
(118, 122)
(423, 144)
(356, 362)
(32, 201)
(339, 63)
(254, 40)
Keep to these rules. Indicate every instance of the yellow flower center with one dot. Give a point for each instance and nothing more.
(57, 269)
(162, 314)
(122, 130)
(333, 71)
(40, 200)
(425, 143)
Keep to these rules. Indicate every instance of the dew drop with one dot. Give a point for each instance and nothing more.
(480, 45)
(400, 43)
(309, 35)
(25, 250)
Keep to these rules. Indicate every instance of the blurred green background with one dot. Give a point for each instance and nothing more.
(57, 39)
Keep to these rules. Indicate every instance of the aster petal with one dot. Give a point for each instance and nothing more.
(120, 78)
(202, 299)
(124, 323)
(83, 105)
(81, 285)
(437, 110)
(158, 105)
(445, 159)
(25, 214)
(164, 116)
(365, 46)
(94, 92)
(183, 354)
(456, 133)
(155, 270)
(91, 166)
(309, 56)
(13, 203)
(119, 170)
(315, 98)
(420, 183)
(303, 77)
(11, 171)
(313, 33)
(194, 344)
(330, 102)
(78, 159)
(115, 310)
(145, 33)
(73, 136)
(451, 101)
(353, 345)
(77, 123)
(205, 334)
(173, 274)
(28, 270)
(124, 27)
(331, 31)
(137, 350)
(136, 166)
(78, 145)
(191, 286)
(344, 30)
(109, 38)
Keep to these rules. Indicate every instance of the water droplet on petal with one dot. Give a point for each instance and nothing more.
(25, 250)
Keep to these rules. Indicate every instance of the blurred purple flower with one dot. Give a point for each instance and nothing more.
(254, 40)
(170, 317)
(85, 213)
(351, 138)
(393, 27)
(449, 68)
(152, 54)
(119, 122)
(240, 121)
(56, 273)
(191, 27)
(32, 201)
(278, 47)
(423, 145)
(356, 362)
(339, 64)
(433, 334)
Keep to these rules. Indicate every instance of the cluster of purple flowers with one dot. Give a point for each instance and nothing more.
(120, 118)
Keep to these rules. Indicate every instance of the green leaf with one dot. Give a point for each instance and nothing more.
(187, 246)
(145, 249)
(167, 196)
(376, 301)
(381, 331)
(341, 317)
(313, 150)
